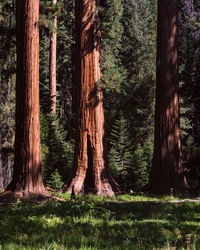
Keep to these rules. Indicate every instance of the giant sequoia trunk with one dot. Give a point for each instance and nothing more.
(27, 176)
(52, 64)
(167, 171)
(90, 162)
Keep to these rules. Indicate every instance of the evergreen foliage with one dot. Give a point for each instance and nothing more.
(57, 145)
(58, 152)
(7, 87)
(138, 57)
(130, 167)
(112, 29)
(142, 157)
(120, 157)
(132, 43)
(55, 181)
(189, 64)
(65, 66)
(191, 152)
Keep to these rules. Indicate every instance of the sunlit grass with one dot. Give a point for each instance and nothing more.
(91, 223)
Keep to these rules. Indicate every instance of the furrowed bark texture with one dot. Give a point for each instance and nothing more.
(167, 171)
(27, 176)
(90, 164)
(52, 64)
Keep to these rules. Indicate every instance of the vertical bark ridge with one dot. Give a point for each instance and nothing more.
(167, 171)
(27, 175)
(52, 64)
(90, 113)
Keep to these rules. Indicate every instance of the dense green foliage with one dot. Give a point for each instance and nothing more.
(189, 63)
(7, 86)
(129, 47)
(57, 132)
(128, 62)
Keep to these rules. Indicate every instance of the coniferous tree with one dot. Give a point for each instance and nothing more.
(112, 31)
(129, 165)
(138, 60)
(57, 135)
(167, 171)
(52, 63)
(7, 79)
(120, 153)
(130, 85)
(27, 175)
(128, 62)
(90, 154)
(189, 62)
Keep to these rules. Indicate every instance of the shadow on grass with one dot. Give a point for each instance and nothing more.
(110, 226)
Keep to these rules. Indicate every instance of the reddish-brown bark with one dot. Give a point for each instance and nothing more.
(52, 64)
(90, 162)
(27, 176)
(167, 171)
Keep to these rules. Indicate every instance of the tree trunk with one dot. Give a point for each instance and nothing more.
(167, 171)
(52, 64)
(27, 175)
(90, 165)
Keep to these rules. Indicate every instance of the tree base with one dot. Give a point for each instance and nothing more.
(105, 188)
(10, 196)
(161, 189)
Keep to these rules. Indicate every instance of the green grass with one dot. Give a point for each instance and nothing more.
(87, 223)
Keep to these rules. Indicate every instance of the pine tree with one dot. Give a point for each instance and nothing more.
(120, 153)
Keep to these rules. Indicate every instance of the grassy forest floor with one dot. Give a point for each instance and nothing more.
(90, 222)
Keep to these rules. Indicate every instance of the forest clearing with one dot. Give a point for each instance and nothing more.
(99, 124)
(94, 222)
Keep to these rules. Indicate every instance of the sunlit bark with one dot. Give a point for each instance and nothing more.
(52, 66)
(90, 154)
(27, 176)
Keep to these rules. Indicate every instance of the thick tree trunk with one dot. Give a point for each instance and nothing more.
(27, 175)
(90, 154)
(167, 171)
(52, 64)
